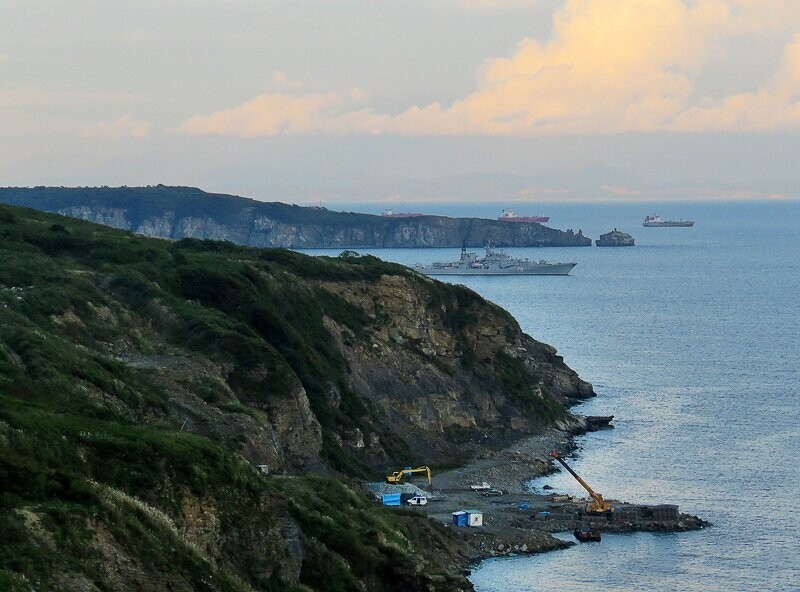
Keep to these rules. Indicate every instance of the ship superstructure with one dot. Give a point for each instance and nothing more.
(656, 221)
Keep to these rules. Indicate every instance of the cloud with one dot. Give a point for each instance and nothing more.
(774, 106)
(276, 113)
(611, 66)
(123, 127)
(280, 80)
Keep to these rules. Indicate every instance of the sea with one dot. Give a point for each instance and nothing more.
(692, 341)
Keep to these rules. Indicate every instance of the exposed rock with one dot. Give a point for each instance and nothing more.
(420, 383)
(296, 426)
(615, 238)
(599, 422)
(186, 212)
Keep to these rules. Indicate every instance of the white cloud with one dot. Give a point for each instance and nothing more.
(773, 106)
(611, 66)
(280, 80)
(276, 113)
(122, 127)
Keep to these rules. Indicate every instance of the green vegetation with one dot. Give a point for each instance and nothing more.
(148, 202)
(111, 344)
(526, 389)
(225, 302)
(241, 219)
(77, 490)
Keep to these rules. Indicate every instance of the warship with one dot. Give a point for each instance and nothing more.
(656, 221)
(496, 262)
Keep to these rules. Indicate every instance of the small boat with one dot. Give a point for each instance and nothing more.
(589, 535)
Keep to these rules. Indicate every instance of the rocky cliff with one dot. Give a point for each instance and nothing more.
(186, 212)
(163, 406)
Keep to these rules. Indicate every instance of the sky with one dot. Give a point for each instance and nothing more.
(309, 101)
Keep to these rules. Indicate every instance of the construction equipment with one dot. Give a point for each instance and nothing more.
(598, 505)
(397, 476)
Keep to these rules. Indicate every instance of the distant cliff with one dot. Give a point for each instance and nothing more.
(188, 212)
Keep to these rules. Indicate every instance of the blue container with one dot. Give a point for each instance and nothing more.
(460, 518)
(390, 499)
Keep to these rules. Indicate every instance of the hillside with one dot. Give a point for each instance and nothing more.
(187, 212)
(142, 380)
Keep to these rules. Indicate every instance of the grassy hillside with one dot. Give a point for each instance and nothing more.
(142, 380)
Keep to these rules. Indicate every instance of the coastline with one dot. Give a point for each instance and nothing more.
(507, 529)
(510, 522)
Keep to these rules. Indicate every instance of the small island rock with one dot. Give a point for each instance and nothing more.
(615, 238)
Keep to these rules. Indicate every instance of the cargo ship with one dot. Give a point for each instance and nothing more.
(496, 262)
(509, 216)
(656, 221)
(392, 214)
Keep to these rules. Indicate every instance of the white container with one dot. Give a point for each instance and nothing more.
(474, 518)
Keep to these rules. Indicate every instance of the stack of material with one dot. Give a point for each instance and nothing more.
(627, 513)
(665, 512)
(378, 488)
(635, 512)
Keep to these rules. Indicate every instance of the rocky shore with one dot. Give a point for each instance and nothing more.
(512, 521)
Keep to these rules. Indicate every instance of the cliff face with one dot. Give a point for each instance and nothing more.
(184, 212)
(438, 382)
(143, 381)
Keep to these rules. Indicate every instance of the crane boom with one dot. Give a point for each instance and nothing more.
(599, 504)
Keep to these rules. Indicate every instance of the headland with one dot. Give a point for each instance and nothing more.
(188, 212)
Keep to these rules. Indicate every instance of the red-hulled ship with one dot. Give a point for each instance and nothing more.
(391, 214)
(509, 216)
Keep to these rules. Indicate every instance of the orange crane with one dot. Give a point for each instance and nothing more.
(598, 505)
(397, 476)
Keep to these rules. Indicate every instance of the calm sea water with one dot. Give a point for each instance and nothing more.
(692, 341)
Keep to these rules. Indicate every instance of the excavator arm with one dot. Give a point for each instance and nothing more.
(397, 476)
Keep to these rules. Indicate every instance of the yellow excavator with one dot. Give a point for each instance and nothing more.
(598, 505)
(397, 476)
